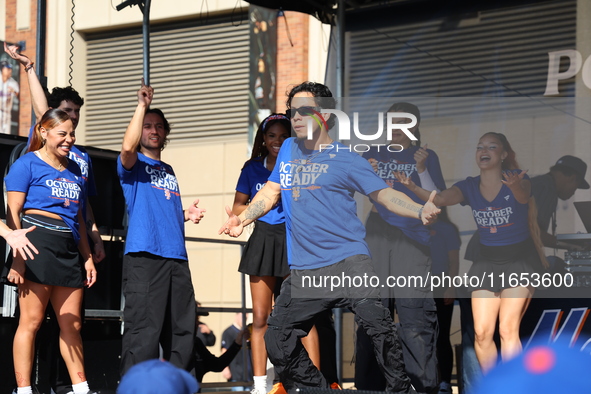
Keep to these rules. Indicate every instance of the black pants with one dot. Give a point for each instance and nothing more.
(395, 254)
(445, 354)
(292, 318)
(159, 309)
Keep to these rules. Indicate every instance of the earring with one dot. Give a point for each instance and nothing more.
(264, 143)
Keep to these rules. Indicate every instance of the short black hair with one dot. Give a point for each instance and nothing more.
(57, 95)
(322, 96)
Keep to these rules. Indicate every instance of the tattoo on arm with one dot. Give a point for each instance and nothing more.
(89, 224)
(404, 204)
(255, 210)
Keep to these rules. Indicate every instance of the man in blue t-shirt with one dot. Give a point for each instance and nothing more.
(159, 296)
(316, 179)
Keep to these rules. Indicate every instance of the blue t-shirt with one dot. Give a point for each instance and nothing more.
(502, 221)
(154, 207)
(317, 189)
(253, 177)
(391, 162)
(82, 158)
(48, 189)
(444, 238)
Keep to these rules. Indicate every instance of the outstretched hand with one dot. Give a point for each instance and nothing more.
(13, 52)
(19, 243)
(145, 94)
(430, 211)
(195, 214)
(233, 226)
(512, 179)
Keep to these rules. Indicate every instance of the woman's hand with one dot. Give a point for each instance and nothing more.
(420, 157)
(13, 52)
(16, 274)
(405, 180)
(233, 226)
(90, 273)
(374, 164)
(20, 244)
(513, 179)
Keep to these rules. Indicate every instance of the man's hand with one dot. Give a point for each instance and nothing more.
(19, 243)
(145, 94)
(194, 213)
(430, 211)
(13, 52)
(233, 226)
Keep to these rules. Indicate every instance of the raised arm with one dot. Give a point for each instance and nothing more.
(133, 134)
(38, 98)
(451, 196)
(259, 206)
(402, 205)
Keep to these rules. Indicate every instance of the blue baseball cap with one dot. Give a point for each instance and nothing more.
(543, 368)
(4, 63)
(157, 377)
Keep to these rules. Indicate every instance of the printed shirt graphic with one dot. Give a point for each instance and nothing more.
(502, 221)
(156, 218)
(317, 189)
(48, 189)
(253, 177)
(391, 162)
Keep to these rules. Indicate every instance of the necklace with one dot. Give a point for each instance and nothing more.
(309, 159)
(59, 165)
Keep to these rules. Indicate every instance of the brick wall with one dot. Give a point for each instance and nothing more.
(292, 61)
(13, 35)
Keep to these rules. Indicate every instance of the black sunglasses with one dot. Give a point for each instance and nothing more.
(304, 111)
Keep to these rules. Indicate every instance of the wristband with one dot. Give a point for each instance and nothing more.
(420, 213)
(30, 66)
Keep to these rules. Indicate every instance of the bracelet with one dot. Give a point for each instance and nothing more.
(420, 213)
(30, 66)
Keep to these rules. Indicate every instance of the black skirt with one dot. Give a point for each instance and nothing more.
(497, 264)
(265, 254)
(58, 262)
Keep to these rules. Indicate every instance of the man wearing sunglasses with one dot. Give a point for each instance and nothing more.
(325, 240)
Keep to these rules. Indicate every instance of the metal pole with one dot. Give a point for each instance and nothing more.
(340, 88)
(340, 92)
(146, 36)
(40, 45)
